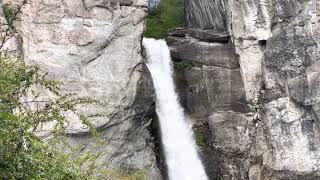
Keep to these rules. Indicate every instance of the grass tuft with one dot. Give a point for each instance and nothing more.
(168, 14)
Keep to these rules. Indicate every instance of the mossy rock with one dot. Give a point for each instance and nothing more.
(179, 69)
(200, 139)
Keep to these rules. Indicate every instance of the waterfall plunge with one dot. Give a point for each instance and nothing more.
(182, 158)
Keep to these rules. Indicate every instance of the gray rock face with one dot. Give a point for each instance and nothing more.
(280, 41)
(206, 14)
(256, 100)
(10, 42)
(212, 91)
(252, 90)
(93, 47)
(194, 50)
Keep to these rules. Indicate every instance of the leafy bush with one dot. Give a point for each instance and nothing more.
(23, 155)
(168, 14)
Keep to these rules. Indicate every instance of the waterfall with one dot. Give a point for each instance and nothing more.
(177, 138)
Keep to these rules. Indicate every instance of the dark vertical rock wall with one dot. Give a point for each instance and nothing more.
(205, 14)
(211, 89)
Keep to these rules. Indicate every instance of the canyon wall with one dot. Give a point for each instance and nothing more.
(94, 48)
(247, 72)
(253, 90)
(278, 47)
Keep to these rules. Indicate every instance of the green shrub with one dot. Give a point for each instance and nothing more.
(200, 139)
(168, 14)
(23, 155)
(179, 70)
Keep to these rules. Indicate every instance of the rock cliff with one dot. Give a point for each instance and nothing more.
(93, 47)
(247, 72)
(253, 90)
(206, 14)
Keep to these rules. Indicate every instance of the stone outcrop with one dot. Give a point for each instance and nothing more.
(10, 42)
(212, 91)
(247, 72)
(278, 47)
(254, 98)
(93, 47)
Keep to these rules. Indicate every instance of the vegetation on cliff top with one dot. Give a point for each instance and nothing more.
(168, 14)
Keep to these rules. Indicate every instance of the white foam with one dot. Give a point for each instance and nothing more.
(177, 136)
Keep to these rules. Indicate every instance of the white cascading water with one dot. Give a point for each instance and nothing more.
(181, 154)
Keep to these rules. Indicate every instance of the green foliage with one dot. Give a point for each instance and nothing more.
(23, 155)
(10, 13)
(168, 14)
(181, 66)
(24, 111)
(124, 175)
(200, 139)
(179, 69)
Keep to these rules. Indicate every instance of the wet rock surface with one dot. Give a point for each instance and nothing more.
(255, 97)
(211, 89)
